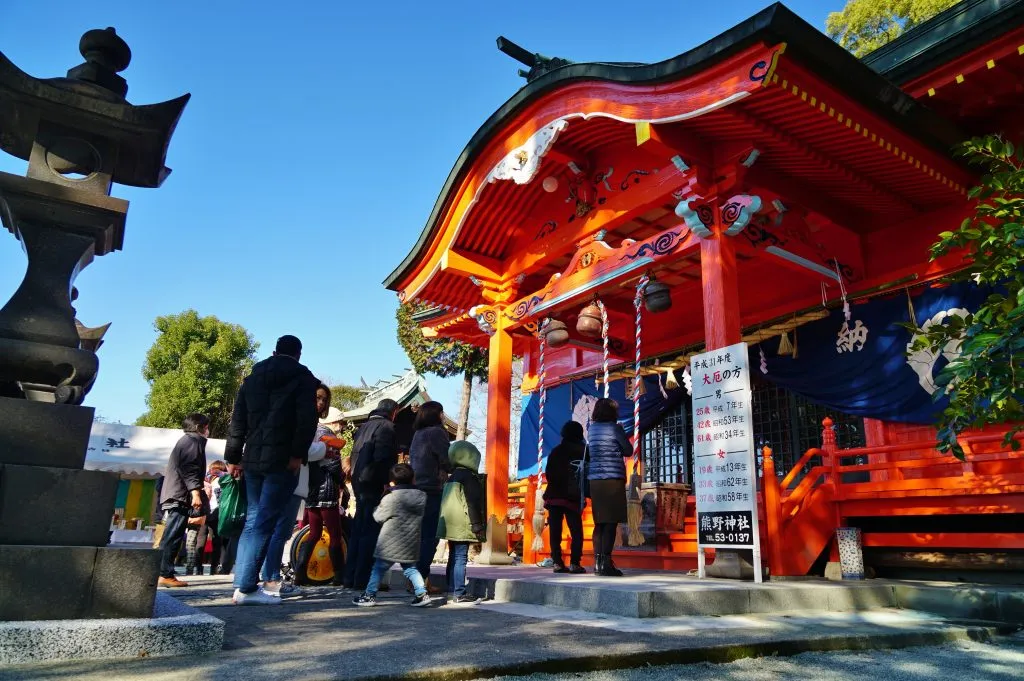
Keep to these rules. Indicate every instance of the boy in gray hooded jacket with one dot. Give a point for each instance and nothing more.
(400, 514)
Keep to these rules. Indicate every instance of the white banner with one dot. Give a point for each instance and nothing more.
(135, 451)
(724, 465)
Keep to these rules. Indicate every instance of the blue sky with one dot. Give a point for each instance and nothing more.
(317, 139)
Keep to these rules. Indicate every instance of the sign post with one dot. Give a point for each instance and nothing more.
(723, 450)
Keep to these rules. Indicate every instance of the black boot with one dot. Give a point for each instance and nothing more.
(338, 565)
(598, 563)
(559, 565)
(608, 568)
(302, 564)
(576, 569)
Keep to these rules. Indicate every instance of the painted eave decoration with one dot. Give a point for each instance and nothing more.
(512, 142)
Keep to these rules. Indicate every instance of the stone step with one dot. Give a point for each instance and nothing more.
(170, 628)
(665, 595)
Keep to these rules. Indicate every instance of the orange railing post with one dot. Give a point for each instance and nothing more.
(772, 513)
(829, 446)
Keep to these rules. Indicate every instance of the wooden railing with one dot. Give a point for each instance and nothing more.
(990, 468)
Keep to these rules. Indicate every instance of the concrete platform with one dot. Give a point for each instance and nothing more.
(662, 594)
(175, 629)
(320, 635)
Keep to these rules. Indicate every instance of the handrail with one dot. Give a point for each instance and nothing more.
(799, 465)
(929, 445)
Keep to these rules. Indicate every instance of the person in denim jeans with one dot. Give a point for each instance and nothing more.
(462, 514)
(273, 422)
(400, 515)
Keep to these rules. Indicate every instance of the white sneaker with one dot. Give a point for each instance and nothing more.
(258, 597)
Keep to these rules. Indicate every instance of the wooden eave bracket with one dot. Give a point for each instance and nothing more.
(484, 269)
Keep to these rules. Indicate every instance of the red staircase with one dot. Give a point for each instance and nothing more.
(895, 494)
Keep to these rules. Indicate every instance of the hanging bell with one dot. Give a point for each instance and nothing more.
(589, 321)
(555, 333)
(785, 348)
(657, 296)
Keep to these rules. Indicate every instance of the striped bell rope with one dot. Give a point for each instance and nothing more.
(638, 304)
(604, 340)
(543, 397)
(538, 538)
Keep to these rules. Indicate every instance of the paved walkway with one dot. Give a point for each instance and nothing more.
(320, 635)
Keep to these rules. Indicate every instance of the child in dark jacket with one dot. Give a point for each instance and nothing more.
(462, 514)
(400, 514)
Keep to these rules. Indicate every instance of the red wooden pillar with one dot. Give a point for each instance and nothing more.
(720, 280)
(499, 413)
(828, 445)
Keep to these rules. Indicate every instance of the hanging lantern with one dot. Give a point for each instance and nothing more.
(657, 296)
(555, 333)
(589, 321)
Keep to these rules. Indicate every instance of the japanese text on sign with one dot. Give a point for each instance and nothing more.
(723, 452)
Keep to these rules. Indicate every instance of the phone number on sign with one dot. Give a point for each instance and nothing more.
(726, 538)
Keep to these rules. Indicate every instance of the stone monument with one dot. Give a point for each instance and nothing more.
(80, 136)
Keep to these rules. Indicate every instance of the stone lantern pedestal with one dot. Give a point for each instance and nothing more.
(80, 136)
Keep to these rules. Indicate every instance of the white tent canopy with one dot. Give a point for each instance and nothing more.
(135, 451)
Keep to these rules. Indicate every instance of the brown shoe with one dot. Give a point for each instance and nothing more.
(171, 582)
(434, 590)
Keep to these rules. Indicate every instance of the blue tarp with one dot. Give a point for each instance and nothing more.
(580, 395)
(867, 372)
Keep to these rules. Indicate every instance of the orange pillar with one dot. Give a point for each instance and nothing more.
(772, 513)
(720, 281)
(499, 412)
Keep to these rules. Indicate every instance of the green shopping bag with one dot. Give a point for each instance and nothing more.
(231, 508)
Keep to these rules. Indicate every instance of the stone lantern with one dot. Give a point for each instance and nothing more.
(80, 136)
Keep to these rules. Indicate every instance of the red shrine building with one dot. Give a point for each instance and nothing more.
(764, 187)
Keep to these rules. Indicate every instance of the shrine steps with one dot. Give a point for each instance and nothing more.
(665, 594)
(644, 595)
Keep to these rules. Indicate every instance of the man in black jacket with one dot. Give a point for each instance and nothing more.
(374, 452)
(182, 492)
(272, 426)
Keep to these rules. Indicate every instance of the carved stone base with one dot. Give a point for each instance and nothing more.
(732, 564)
(494, 551)
(55, 506)
(76, 582)
(39, 434)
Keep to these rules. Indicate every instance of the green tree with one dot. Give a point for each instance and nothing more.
(442, 357)
(196, 364)
(985, 383)
(865, 25)
(346, 397)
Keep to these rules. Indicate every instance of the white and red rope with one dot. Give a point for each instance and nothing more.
(543, 399)
(638, 304)
(604, 340)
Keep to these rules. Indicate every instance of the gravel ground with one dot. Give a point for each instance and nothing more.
(966, 661)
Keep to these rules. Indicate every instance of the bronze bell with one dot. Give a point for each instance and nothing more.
(657, 296)
(555, 333)
(589, 321)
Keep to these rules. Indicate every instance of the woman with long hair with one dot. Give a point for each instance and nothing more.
(325, 484)
(428, 456)
(607, 446)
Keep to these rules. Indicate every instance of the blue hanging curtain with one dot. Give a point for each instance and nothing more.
(562, 400)
(865, 371)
